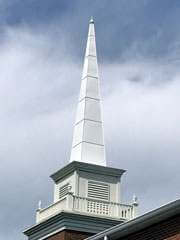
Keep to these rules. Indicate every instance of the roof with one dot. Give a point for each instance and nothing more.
(158, 215)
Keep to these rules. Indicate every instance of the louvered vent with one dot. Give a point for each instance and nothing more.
(63, 190)
(98, 190)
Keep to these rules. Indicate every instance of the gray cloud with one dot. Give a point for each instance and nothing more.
(39, 85)
(142, 130)
(36, 92)
(150, 26)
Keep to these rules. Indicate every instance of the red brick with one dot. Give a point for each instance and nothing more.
(69, 235)
(166, 230)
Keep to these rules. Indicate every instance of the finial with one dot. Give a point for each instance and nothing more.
(39, 205)
(91, 20)
(135, 199)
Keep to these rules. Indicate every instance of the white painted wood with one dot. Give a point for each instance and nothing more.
(87, 206)
(88, 138)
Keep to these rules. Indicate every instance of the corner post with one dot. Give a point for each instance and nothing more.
(37, 215)
(38, 211)
(70, 202)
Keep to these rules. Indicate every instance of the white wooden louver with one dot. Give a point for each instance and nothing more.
(63, 190)
(98, 190)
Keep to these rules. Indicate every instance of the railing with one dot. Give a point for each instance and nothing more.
(53, 209)
(98, 207)
(88, 206)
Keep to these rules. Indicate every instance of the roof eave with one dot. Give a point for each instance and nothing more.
(140, 223)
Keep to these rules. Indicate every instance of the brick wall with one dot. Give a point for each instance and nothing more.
(69, 235)
(167, 230)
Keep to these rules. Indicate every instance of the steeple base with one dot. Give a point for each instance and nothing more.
(87, 189)
(65, 224)
(86, 200)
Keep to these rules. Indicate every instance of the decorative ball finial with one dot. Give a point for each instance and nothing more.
(135, 199)
(91, 20)
(39, 205)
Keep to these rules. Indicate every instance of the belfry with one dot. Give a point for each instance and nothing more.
(87, 197)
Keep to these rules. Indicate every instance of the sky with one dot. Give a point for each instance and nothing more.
(42, 45)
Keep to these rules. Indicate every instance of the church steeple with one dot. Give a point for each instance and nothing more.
(88, 139)
(87, 193)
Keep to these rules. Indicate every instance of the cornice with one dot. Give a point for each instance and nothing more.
(70, 221)
(86, 167)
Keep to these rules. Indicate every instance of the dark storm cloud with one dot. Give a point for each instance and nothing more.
(42, 44)
(149, 27)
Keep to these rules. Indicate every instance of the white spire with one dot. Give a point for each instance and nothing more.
(88, 139)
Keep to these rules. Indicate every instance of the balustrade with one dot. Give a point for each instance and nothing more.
(88, 206)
